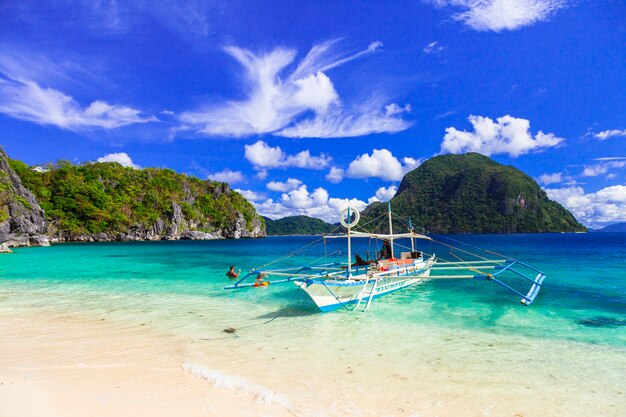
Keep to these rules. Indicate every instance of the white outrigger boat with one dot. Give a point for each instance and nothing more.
(336, 284)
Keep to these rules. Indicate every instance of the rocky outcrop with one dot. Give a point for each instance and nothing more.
(179, 229)
(108, 202)
(22, 221)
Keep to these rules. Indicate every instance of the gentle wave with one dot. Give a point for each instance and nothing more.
(221, 380)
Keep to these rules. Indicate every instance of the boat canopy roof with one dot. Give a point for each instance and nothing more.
(380, 235)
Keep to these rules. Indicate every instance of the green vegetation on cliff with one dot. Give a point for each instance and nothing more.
(109, 198)
(472, 193)
(297, 225)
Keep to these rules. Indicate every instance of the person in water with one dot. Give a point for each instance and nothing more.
(232, 274)
(260, 280)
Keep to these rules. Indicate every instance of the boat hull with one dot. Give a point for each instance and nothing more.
(331, 295)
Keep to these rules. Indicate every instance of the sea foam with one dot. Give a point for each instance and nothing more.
(221, 380)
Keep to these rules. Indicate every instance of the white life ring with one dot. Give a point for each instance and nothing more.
(344, 216)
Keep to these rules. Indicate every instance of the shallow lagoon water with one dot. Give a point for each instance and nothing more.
(426, 350)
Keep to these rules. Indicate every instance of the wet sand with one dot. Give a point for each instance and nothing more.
(66, 366)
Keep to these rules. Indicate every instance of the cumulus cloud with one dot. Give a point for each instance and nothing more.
(303, 103)
(228, 176)
(290, 184)
(252, 195)
(261, 174)
(605, 206)
(381, 164)
(499, 15)
(335, 175)
(300, 198)
(23, 98)
(263, 156)
(301, 202)
(121, 158)
(507, 134)
(553, 178)
(605, 134)
(383, 194)
(603, 167)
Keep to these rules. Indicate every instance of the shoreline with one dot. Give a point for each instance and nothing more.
(56, 242)
(79, 366)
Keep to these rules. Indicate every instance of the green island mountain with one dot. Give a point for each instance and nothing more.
(472, 193)
(106, 201)
(297, 225)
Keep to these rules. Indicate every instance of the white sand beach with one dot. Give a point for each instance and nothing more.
(70, 366)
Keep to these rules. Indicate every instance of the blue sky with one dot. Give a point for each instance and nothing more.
(306, 106)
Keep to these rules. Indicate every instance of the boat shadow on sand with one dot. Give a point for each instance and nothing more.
(294, 304)
(290, 311)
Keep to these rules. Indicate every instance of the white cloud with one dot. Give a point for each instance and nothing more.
(303, 103)
(335, 175)
(300, 198)
(337, 124)
(252, 195)
(499, 15)
(381, 164)
(290, 184)
(300, 202)
(263, 156)
(551, 178)
(508, 135)
(433, 48)
(227, 175)
(605, 206)
(383, 194)
(394, 109)
(605, 134)
(603, 167)
(23, 98)
(611, 158)
(26, 100)
(595, 170)
(121, 158)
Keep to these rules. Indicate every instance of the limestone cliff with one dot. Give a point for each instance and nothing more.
(22, 220)
(106, 202)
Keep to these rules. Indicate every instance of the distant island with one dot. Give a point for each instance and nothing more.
(468, 193)
(64, 202)
(612, 228)
(472, 193)
(297, 225)
(106, 201)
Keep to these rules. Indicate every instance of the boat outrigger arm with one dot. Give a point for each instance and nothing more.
(333, 285)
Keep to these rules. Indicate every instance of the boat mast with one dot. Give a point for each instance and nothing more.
(412, 241)
(390, 229)
(349, 246)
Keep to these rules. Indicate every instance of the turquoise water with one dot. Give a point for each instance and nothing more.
(583, 299)
(438, 342)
